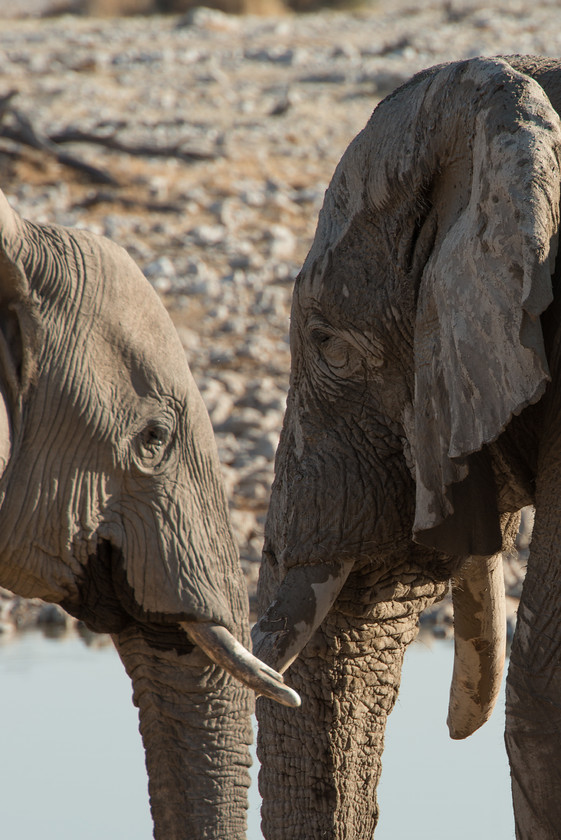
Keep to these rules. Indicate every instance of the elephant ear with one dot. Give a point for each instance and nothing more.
(19, 326)
(488, 175)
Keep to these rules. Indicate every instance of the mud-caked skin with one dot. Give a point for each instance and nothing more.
(422, 415)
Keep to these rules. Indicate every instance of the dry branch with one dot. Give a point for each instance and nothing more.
(102, 197)
(22, 131)
(76, 135)
(17, 127)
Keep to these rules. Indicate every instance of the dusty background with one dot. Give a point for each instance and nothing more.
(203, 143)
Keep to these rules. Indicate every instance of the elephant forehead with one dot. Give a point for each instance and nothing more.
(129, 329)
(355, 280)
(352, 291)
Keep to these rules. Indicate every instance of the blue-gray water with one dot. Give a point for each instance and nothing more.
(72, 766)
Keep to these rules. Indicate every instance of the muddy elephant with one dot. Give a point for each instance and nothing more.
(422, 415)
(111, 504)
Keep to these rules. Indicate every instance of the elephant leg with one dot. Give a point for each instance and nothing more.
(533, 694)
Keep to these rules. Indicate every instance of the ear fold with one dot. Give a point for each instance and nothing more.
(19, 330)
(479, 348)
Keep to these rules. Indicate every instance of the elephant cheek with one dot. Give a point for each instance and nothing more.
(98, 600)
(346, 498)
(180, 563)
(107, 602)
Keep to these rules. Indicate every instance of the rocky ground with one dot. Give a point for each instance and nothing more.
(203, 143)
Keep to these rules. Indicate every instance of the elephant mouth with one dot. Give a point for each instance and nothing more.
(106, 604)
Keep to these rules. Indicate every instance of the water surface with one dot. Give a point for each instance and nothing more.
(72, 765)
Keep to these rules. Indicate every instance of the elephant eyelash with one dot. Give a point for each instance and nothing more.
(320, 336)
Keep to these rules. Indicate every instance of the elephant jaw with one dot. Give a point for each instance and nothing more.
(479, 644)
(224, 650)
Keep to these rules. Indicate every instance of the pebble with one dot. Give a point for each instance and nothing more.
(266, 107)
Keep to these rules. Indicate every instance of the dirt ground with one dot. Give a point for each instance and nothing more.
(203, 143)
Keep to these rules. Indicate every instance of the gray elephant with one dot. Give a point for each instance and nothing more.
(111, 504)
(422, 416)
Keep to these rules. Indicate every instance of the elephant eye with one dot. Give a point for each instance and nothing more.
(151, 445)
(337, 353)
(153, 438)
(340, 356)
(321, 336)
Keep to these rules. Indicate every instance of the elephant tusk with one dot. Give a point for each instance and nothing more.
(479, 644)
(224, 650)
(304, 598)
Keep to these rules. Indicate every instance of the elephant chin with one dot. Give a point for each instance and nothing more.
(224, 650)
(479, 644)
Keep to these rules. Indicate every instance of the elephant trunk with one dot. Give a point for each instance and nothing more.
(348, 677)
(195, 725)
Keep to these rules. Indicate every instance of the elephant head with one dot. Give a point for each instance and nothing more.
(419, 360)
(111, 504)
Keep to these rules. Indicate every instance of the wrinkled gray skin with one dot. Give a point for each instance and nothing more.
(422, 415)
(111, 505)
